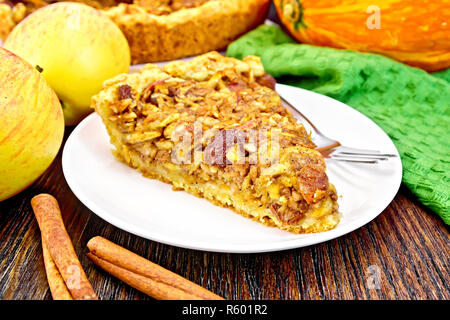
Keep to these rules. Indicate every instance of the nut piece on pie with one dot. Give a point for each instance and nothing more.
(215, 128)
(161, 30)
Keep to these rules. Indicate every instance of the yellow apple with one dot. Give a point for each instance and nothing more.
(31, 124)
(77, 47)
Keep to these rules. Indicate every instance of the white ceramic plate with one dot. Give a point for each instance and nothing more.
(150, 209)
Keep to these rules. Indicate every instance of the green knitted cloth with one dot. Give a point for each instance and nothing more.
(412, 106)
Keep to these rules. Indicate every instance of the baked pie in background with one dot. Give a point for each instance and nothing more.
(162, 30)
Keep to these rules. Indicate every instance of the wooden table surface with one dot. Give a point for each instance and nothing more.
(402, 254)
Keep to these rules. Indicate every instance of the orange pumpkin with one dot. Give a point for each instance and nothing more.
(416, 32)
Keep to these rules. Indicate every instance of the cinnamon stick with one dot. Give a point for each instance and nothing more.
(143, 274)
(55, 281)
(56, 239)
(157, 290)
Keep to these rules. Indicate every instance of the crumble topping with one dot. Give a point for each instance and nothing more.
(14, 11)
(22, 8)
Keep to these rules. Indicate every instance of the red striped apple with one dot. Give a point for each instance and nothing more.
(77, 46)
(31, 124)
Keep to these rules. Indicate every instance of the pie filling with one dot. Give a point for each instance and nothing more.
(215, 128)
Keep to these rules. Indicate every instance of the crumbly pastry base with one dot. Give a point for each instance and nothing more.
(186, 32)
(222, 197)
(135, 145)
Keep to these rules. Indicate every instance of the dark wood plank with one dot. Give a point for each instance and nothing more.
(406, 245)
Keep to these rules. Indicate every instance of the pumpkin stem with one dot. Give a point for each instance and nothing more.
(292, 10)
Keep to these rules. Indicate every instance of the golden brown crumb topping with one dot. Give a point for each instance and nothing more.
(13, 12)
(157, 7)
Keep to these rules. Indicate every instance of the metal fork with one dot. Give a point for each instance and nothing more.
(333, 149)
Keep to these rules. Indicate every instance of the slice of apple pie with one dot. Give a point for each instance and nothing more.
(215, 127)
